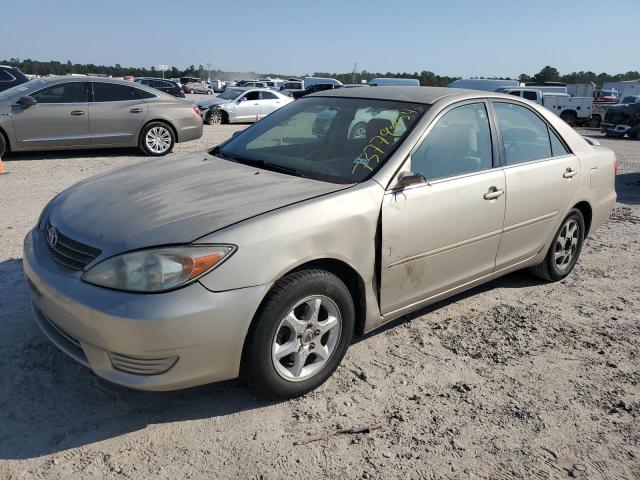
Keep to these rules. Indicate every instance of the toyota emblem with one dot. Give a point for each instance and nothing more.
(52, 237)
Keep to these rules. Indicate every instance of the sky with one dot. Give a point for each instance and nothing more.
(455, 37)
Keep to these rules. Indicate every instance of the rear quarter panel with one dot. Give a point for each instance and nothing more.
(187, 125)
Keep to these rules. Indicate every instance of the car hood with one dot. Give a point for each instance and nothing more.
(204, 104)
(174, 200)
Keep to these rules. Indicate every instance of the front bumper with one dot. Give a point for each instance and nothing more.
(614, 130)
(195, 333)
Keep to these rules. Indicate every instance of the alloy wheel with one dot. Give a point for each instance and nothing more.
(158, 139)
(306, 338)
(566, 245)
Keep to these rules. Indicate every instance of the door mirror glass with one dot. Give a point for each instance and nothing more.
(242, 99)
(406, 179)
(27, 101)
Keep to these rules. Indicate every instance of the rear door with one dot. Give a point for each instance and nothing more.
(60, 118)
(116, 113)
(269, 102)
(542, 176)
(445, 233)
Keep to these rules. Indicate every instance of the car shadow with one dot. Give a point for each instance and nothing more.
(628, 188)
(50, 403)
(519, 279)
(71, 154)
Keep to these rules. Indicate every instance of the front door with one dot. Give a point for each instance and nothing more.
(248, 107)
(541, 177)
(115, 114)
(445, 233)
(59, 119)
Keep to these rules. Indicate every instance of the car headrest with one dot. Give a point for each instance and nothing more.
(375, 125)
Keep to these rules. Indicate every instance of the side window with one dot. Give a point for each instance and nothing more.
(6, 76)
(530, 95)
(113, 92)
(143, 93)
(71, 92)
(524, 134)
(268, 96)
(557, 147)
(168, 85)
(252, 95)
(459, 143)
(148, 83)
(515, 93)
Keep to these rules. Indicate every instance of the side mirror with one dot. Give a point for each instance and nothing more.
(27, 101)
(242, 99)
(236, 133)
(406, 179)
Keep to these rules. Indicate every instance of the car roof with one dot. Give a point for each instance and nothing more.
(426, 95)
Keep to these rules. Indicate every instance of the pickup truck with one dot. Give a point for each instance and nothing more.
(623, 119)
(573, 110)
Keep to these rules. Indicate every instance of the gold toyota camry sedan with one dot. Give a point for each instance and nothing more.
(262, 257)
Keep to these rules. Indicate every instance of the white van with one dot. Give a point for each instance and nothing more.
(394, 82)
(488, 85)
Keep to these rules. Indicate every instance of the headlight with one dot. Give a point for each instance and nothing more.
(158, 269)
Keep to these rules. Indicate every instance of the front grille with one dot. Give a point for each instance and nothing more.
(141, 366)
(68, 252)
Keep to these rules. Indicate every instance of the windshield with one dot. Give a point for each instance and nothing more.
(230, 94)
(18, 89)
(338, 140)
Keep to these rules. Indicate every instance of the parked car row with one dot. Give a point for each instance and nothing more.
(94, 112)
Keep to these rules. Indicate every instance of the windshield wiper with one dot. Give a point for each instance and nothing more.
(274, 167)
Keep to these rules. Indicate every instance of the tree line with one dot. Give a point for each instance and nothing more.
(427, 78)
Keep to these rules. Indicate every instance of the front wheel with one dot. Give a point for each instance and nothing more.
(300, 335)
(570, 117)
(564, 250)
(192, 91)
(157, 139)
(215, 117)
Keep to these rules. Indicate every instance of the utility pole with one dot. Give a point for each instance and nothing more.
(353, 75)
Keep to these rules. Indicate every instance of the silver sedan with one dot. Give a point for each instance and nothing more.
(236, 105)
(262, 257)
(87, 112)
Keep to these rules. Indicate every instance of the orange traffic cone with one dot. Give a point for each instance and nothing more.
(2, 169)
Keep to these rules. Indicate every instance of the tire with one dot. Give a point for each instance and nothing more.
(297, 369)
(192, 91)
(215, 117)
(634, 133)
(569, 117)
(3, 145)
(549, 269)
(161, 132)
(594, 122)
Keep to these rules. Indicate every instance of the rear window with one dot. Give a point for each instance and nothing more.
(114, 92)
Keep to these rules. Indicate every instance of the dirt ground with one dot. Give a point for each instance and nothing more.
(514, 379)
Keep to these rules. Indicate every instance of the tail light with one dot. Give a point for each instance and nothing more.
(615, 167)
(196, 110)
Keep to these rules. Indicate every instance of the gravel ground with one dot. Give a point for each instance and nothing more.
(514, 379)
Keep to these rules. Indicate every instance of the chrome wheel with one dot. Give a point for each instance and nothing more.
(306, 338)
(215, 117)
(158, 139)
(566, 245)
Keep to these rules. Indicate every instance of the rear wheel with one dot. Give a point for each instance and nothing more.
(570, 117)
(3, 146)
(157, 139)
(564, 250)
(300, 335)
(192, 91)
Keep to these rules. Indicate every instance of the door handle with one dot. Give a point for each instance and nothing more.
(135, 110)
(76, 112)
(569, 173)
(493, 193)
